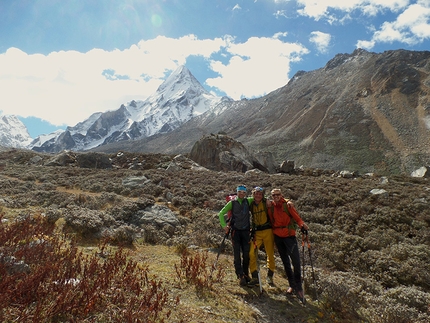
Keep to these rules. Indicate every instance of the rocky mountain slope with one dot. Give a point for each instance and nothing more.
(363, 111)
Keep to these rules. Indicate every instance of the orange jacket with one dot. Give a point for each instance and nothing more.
(282, 223)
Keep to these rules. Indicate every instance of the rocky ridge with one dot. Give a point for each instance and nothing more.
(363, 111)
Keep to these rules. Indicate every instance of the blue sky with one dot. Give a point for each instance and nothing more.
(62, 60)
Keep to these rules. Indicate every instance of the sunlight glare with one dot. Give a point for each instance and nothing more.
(156, 20)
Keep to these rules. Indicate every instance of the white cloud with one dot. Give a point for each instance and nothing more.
(411, 27)
(365, 44)
(236, 7)
(321, 40)
(280, 13)
(256, 67)
(325, 9)
(66, 87)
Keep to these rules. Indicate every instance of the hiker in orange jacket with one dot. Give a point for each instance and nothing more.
(284, 217)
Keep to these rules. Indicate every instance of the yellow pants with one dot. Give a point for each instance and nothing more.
(266, 238)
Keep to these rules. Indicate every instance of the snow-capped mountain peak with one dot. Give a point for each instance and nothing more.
(13, 133)
(178, 99)
(179, 80)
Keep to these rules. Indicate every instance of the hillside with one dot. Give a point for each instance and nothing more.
(370, 236)
(363, 112)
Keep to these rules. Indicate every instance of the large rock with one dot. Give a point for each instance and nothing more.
(223, 153)
(421, 172)
(63, 159)
(267, 159)
(287, 166)
(93, 160)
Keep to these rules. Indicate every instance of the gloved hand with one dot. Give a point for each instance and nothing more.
(304, 229)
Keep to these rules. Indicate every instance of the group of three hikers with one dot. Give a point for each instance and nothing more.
(257, 221)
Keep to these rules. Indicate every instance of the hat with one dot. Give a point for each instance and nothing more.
(241, 188)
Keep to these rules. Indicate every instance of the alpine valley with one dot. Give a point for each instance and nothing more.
(364, 111)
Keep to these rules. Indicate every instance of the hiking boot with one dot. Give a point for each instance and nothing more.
(254, 279)
(242, 281)
(270, 277)
(301, 296)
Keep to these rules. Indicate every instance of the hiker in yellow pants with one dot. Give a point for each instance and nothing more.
(263, 234)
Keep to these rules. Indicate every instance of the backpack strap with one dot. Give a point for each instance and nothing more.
(264, 226)
(285, 207)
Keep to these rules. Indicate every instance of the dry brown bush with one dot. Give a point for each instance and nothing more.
(61, 284)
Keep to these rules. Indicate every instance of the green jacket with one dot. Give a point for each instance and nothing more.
(228, 207)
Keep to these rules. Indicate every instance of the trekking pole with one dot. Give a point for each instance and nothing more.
(220, 248)
(305, 238)
(303, 263)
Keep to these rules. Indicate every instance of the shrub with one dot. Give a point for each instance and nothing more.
(62, 284)
(339, 297)
(85, 222)
(193, 269)
(124, 235)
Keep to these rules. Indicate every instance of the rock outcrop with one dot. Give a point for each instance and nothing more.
(223, 153)
(421, 172)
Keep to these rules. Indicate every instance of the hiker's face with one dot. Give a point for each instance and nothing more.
(241, 194)
(276, 196)
(258, 196)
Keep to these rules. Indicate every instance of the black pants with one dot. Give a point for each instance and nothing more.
(289, 250)
(241, 247)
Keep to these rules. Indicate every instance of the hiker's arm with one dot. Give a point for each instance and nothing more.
(222, 214)
(296, 216)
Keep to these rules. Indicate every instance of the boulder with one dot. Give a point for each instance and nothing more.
(378, 191)
(36, 160)
(223, 153)
(158, 215)
(346, 174)
(135, 181)
(62, 159)
(421, 172)
(266, 159)
(287, 166)
(93, 160)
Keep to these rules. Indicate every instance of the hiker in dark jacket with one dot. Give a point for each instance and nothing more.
(240, 232)
(284, 217)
